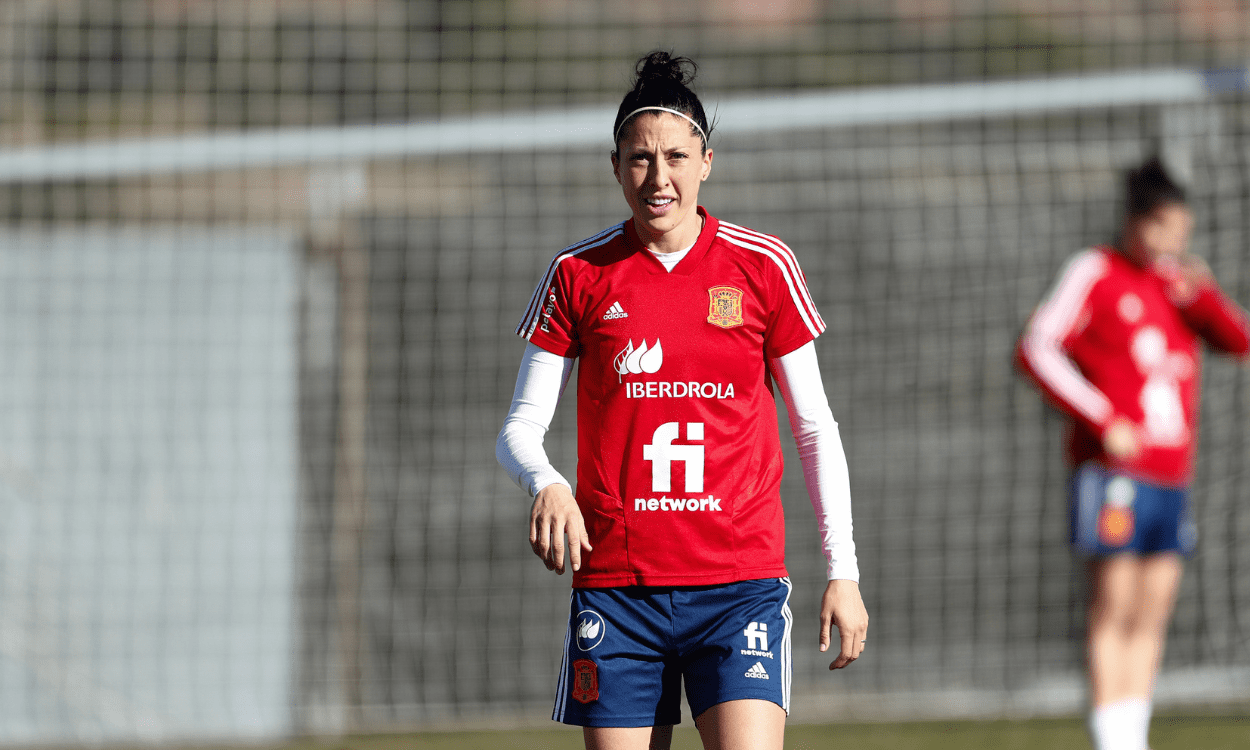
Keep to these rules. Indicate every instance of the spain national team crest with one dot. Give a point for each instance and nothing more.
(726, 307)
(1115, 526)
(585, 681)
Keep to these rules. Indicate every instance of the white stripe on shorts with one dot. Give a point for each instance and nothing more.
(562, 688)
(1089, 496)
(785, 646)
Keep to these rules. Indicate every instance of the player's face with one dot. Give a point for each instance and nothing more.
(1165, 232)
(660, 165)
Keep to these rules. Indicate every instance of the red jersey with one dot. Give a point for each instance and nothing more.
(1110, 341)
(679, 461)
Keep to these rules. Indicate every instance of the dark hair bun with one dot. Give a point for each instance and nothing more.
(662, 66)
(662, 80)
(1149, 186)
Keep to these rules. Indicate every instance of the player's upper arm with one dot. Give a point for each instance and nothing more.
(1041, 351)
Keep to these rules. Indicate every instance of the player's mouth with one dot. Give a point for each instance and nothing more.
(660, 206)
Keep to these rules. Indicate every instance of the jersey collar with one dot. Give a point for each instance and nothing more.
(686, 264)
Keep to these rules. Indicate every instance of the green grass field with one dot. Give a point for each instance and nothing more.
(1228, 732)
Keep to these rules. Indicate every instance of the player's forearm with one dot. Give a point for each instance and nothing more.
(829, 487)
(519, 447)
(519, 450)
(820, 453)
(1219, 321)
(1050, 369)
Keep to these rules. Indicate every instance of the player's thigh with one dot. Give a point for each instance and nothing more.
(735, 643)
(631, 738)
(1114, 588)
(742, 725)
(616, 671)
(1159, 582)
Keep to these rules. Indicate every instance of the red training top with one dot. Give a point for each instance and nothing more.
(1112, 339)
(679, 461)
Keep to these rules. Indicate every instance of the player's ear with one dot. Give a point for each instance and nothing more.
(616, 167)
(707, 165)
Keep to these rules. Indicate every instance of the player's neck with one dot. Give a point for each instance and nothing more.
(1134, 252)
(677, 239)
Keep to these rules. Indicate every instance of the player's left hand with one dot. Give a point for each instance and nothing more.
(842, 607)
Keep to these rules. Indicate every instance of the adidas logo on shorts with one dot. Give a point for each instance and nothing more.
(615, 311)
(757, 672)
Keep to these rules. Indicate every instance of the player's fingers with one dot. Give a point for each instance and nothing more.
(852, 645)
(557, 547)
(537, 532)
(826, 621)
(534, 528)
(576, 535)
(542, 543)
(846, 655)
(578, 541)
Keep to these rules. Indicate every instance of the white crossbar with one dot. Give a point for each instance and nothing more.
(591, 127)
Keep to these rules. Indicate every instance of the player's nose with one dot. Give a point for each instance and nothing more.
(659, 174)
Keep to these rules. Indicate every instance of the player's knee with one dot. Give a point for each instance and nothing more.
(1151, 620)
(1113, 619)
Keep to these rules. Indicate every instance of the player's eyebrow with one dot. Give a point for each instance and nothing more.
(661, 150)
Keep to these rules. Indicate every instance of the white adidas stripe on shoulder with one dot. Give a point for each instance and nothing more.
(783, 257)
(529, 321)
(1054, 320)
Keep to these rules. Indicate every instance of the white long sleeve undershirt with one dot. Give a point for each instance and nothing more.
(543, 377)
(519, 448)
(820, 452)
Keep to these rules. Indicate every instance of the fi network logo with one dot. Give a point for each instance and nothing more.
(757, 636)
(662, 453)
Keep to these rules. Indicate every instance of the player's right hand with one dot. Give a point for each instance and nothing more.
(1120, 440)
(554, 515)
(1185, 274)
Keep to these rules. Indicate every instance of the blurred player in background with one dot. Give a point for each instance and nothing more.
(1115, 345)
(680, 323)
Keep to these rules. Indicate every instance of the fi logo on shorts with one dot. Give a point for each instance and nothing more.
(757, 640)
(590, 629)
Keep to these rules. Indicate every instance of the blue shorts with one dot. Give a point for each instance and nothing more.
(627, 650)
(1112, 513)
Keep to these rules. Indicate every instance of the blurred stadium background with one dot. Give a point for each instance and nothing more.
(259, 271)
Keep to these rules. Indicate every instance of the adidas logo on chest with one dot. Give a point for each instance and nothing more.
(615, 312)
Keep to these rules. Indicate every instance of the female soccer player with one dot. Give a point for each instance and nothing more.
(1116, 347)
(676, 534)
